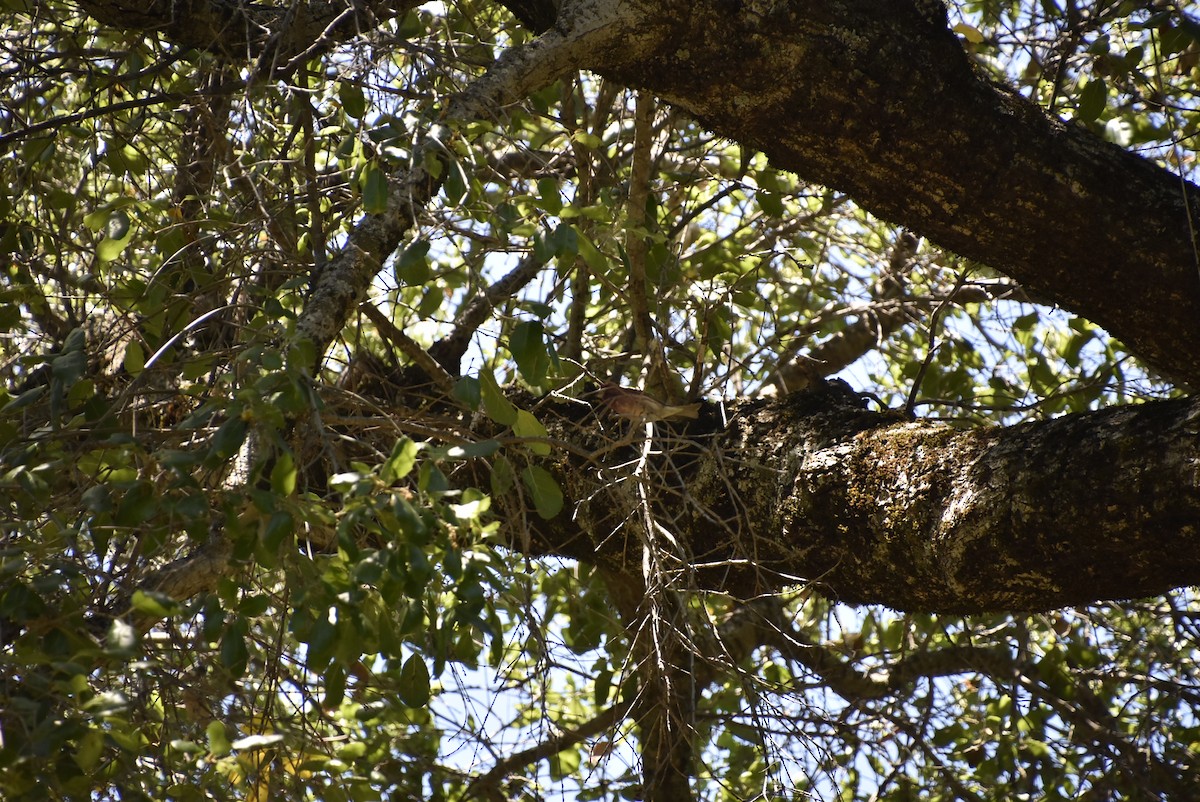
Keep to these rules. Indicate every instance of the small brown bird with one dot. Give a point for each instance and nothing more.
(636, 406)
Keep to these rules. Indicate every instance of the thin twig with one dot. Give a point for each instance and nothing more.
(934, 320)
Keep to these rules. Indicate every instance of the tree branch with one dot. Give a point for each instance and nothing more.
(911, 514)
(448, 351)
(761, 622)
(410, 348)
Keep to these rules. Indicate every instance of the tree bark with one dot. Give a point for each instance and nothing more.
(918, 516)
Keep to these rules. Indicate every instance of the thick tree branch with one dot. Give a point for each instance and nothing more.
(913, 515)
(855, 685)
(1093, 725)
(874, 509)
(856, 339)
(880, 103)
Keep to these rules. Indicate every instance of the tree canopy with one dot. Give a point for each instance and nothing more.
(318, 483)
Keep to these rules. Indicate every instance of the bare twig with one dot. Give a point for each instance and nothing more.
(934, 324)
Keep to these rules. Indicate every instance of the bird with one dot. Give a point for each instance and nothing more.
(634, 405)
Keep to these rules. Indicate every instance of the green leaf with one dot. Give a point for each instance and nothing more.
(135, 358)
(467, 391)
(96, 220)
(283, 475)
(770, 203)
(218, 738)
(252, 742)
(374, 189)
(110, 248)
(413, 266)
(564, 764)
(546, 494)
(335, 686)
(25, 399)
(117, 225)
(401, 462)
(526, 425)
(228, 439)
(122, 639)
(502, 477)
(1092, 100)
(586, 139)
(234, 654)
(351, 751)
(471, 510)
(497, 407)
(71, 363)
(969, 32)
(603, 685)
(154, 604)
(591, 255)
(413, 685)
(97, 499)
(89, 749)
(482, 448)
(563, 242)
(278, 527)
(353, 101)
(548, 192)
(320, 639)
(431, 301)
(528, 346)
(138, 505)
(456, 183)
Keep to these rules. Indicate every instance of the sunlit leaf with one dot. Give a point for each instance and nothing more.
(497, 406)
(218, 738)
(252, 742)
(401, 461)
(153, 604)
(283, 474)
(968, 32)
